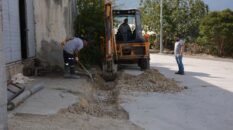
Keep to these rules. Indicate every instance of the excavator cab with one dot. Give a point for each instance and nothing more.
(131, 45)
(127, 26)
(123, 41)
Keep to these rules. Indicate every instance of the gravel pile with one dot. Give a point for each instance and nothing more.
(149, 81)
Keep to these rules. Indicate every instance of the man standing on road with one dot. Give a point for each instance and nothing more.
(71, 48)
(178, 51)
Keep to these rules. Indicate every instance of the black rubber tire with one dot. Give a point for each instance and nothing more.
(144, 64)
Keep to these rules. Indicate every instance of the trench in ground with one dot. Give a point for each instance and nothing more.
(102, 101)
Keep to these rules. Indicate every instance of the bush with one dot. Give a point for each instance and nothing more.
(216, 33)
(90, 24)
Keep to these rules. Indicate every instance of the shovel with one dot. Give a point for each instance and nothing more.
(85, 69)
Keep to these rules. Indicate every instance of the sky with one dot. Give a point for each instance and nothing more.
(214, 5)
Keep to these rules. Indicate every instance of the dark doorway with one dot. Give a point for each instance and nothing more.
(23, 28)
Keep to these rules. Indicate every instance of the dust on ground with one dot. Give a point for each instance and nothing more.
(98, 108)
(68, 121)
(103, 101)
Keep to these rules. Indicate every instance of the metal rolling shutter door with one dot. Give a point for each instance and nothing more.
(11, 30)
(31, 29)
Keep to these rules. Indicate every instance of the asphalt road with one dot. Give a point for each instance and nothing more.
(207, 104)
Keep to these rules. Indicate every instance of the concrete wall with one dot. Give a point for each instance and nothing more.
(54, 22)
(3, 97)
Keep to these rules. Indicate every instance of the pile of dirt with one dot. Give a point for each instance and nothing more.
(149, 81)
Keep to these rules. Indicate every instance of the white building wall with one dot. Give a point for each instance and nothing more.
(54, 22)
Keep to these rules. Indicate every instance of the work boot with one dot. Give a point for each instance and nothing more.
(66, 71)
(72, 69)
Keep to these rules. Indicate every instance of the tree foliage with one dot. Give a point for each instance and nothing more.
(89, 23)
(179, 17)
(216, 32)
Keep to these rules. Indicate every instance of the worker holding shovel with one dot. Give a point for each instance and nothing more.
(71, 48)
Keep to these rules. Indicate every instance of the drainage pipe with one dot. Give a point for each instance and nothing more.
(23, 96)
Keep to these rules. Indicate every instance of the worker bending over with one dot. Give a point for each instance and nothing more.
(71, 48)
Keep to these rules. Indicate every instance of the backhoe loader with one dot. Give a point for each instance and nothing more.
(119, 48)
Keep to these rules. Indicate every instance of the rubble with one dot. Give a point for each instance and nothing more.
(20, 79)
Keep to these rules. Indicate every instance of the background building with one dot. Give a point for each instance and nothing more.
(31, 29)
(34, 28)
(3, 100)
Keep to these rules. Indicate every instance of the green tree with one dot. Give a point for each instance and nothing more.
(216, 32)
(90, 24)
(179, 16)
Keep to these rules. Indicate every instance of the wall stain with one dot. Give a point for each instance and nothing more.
(58, 2)
(52, 52)
(56, 23)
(67, 22)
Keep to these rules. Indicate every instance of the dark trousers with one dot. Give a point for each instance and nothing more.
(69, 60)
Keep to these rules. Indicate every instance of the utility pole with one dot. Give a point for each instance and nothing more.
(161, 26)
(3, 92)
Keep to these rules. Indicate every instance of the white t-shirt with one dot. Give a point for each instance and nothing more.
(178, 46)
(74, 45)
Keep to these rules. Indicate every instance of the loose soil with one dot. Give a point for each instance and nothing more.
(103, 102)
(149, 81)
(98, 108)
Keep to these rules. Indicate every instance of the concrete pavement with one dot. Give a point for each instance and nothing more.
(59, 93)
(206, 105)
(47, 102)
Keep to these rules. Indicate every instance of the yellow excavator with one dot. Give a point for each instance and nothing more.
(119, 47)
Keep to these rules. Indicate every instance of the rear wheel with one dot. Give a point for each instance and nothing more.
(144, 64)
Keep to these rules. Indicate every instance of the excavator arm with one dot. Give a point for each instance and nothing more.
(109, 46)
